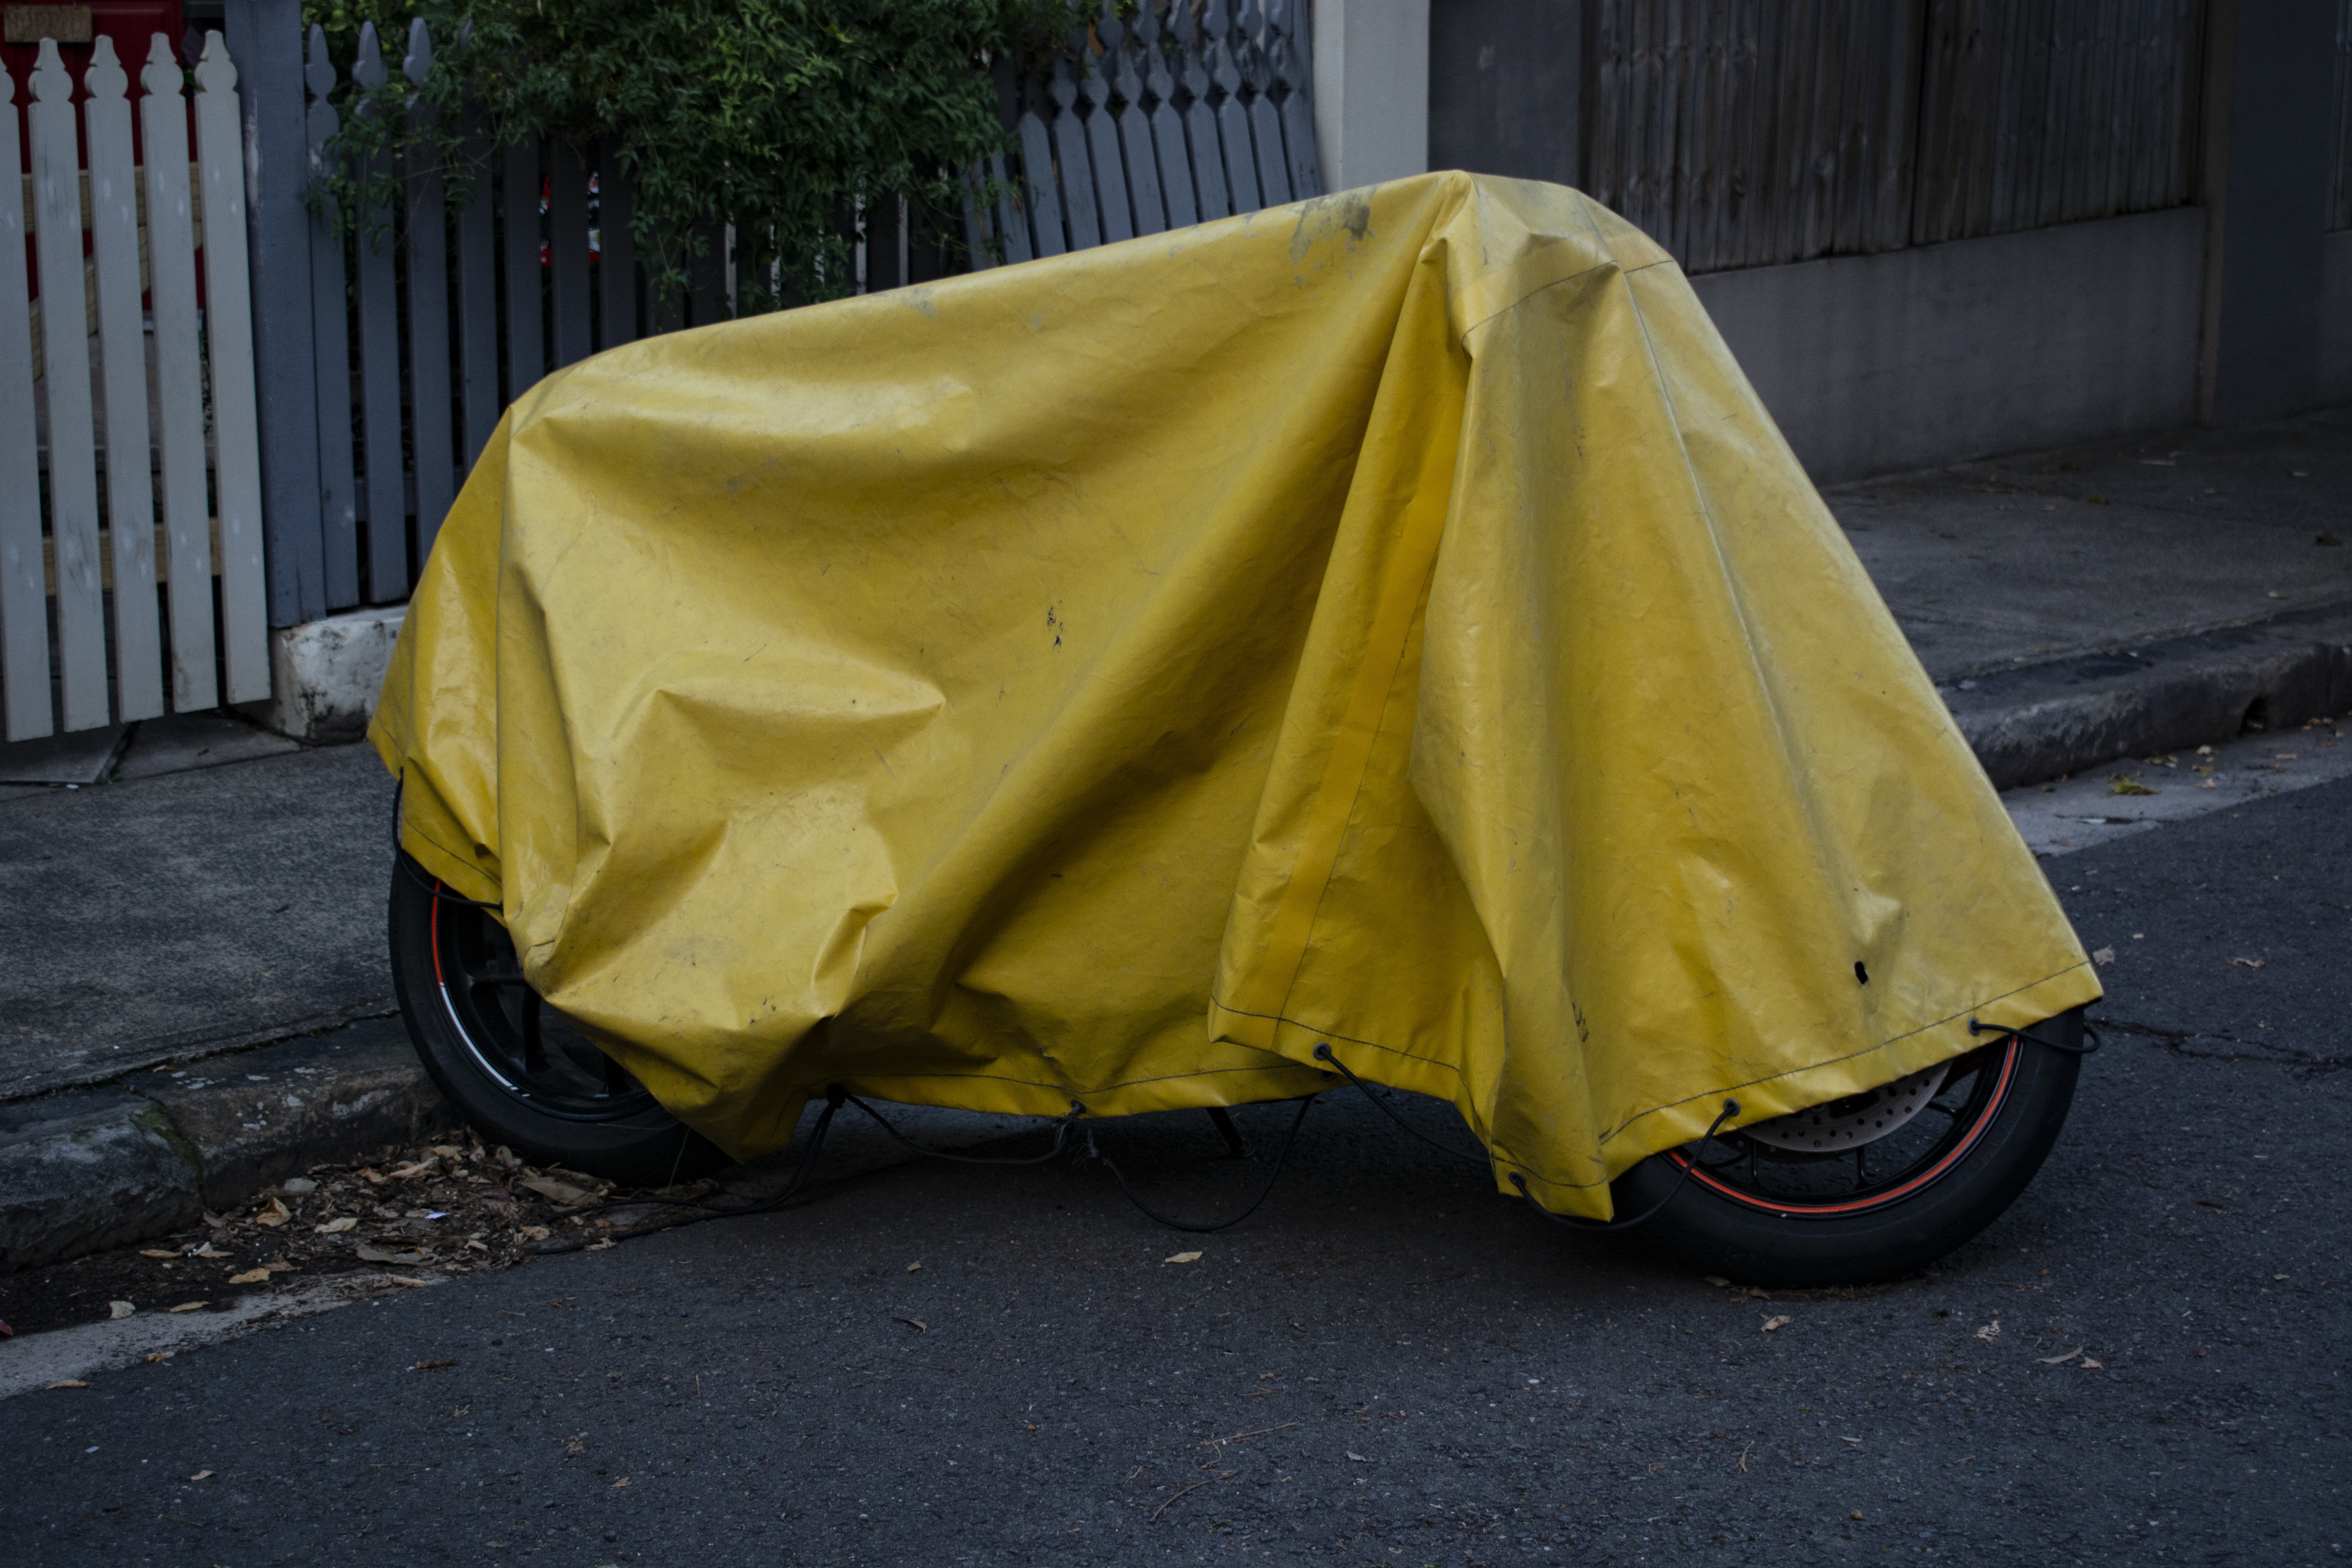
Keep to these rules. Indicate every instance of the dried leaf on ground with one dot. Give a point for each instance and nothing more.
(1182, 1257)
(2104, 957)
(1991, 1332)
(377, 1255)
(532, 1233)
(157, 1252)
(250, 1277)
(558, 1192)
(273, 1214)
(69, 1382)
(2090, 1366)
(374, 1178)
(201, 1475)
(337, 1226)
(191, 1307)
(2059, 1360)
(2120, 785)
(1775, 1324)
(118, 1310)
(209, 1251)
(915, 1323)
(2250, 963)
(914, 1269)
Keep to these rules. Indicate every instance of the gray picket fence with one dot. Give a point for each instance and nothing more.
(425, 323)
(330, 401)
(1180, 114)
(143, 573)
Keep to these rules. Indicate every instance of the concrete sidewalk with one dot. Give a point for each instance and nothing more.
(222, 890)
(2128, 596)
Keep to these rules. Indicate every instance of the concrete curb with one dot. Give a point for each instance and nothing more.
(2051, 720)
(96, 1168)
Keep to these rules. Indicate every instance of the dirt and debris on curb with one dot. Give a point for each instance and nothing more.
(440, 1209)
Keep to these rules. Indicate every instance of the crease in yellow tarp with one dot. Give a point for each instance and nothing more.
(1389, 621)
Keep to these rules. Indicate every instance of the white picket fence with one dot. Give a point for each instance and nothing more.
(386, 355)
(197, 467)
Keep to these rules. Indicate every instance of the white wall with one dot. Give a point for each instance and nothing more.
(1371, 89)
(1876, 364)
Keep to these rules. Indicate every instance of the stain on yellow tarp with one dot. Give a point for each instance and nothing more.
(1390, 621)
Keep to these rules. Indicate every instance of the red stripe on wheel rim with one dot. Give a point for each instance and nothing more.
(1862, 1205)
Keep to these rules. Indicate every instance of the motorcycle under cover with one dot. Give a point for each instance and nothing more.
(1389, 620)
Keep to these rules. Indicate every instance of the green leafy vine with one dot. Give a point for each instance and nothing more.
(778, 117)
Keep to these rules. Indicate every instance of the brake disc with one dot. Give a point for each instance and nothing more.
(1865, 1117)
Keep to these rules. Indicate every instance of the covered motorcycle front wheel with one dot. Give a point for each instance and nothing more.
(1870, 1187)
(519, 1071)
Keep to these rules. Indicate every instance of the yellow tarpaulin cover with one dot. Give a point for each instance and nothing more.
(1389, 620)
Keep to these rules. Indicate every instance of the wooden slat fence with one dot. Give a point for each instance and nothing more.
(100, 505)
(2038, 112)
(1752, 132)
(1739, 135)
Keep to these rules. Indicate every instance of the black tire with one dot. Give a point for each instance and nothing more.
(513, 1067)
(1940, 1191)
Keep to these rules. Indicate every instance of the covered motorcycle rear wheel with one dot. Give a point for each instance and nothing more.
(1871, 1187)
(517, 1069)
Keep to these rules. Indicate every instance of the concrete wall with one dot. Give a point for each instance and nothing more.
(1371, 90)
(2270, 145)
(1503, 83)
(2335, 320)
(1913, 358)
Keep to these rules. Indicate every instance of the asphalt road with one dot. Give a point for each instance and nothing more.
(1389, 1364)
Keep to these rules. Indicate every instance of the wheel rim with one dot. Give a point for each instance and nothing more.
(1916, 1152)
(527, 1049)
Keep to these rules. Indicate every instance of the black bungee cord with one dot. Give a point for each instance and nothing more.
(1061, 1137)
(1280, 1155)
(2091, 1037)
(836, 1097)
(1323, 1053)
